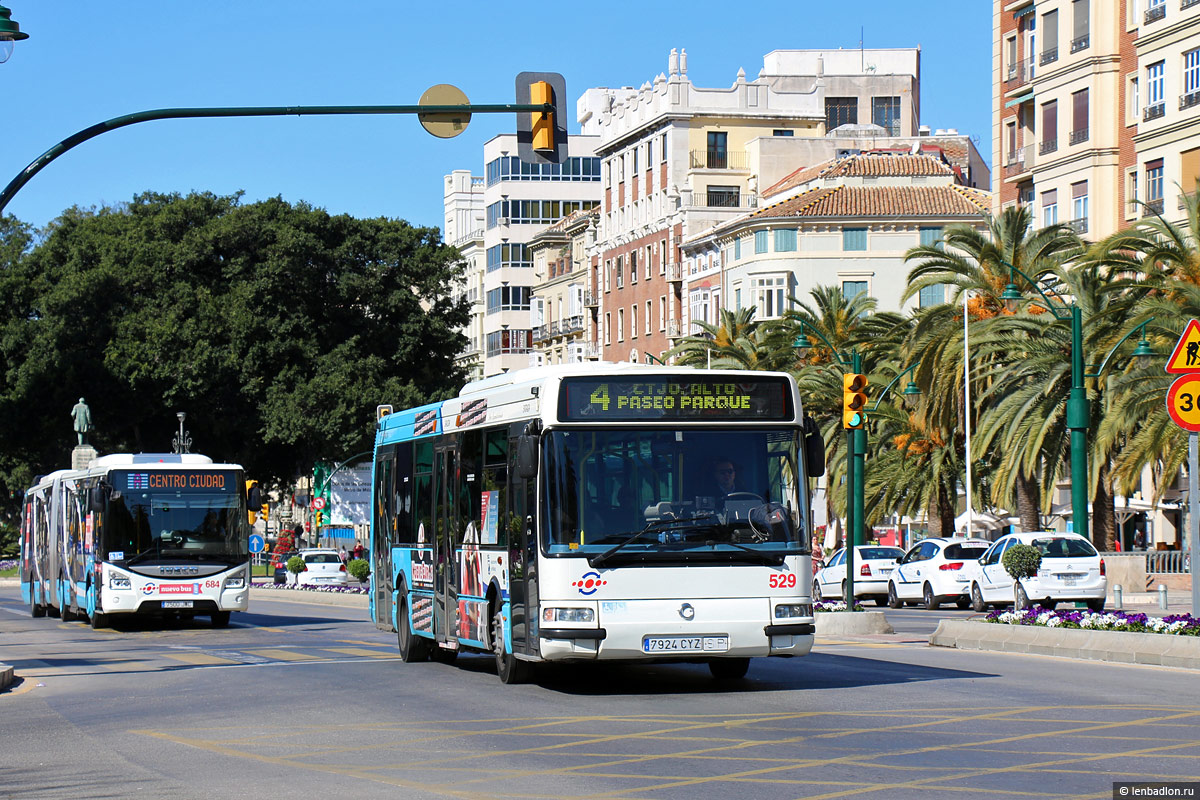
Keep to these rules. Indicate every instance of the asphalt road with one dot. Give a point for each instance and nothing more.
(313, 700)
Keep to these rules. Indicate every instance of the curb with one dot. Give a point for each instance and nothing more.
(6, 676)
(856, 623)
(312, 598)
(1157, 649)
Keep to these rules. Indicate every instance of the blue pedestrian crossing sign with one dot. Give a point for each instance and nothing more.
(257, 543)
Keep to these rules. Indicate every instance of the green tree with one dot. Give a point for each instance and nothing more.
(277, 327)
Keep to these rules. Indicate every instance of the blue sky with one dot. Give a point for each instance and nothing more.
(86, 62)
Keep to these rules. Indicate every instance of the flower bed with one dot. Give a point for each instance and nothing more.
(836, 605)
(1177, 624)
(8, 563)
(327, 589)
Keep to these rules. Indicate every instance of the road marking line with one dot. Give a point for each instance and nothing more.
(199, 658)
(283, 655)
(357, 651)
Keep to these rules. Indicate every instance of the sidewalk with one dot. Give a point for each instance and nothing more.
(265, 590)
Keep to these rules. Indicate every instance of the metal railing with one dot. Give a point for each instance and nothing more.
(1187, 4)
(1154, 112)
(675, 271)
(540, 333)
(1079, 136)
(1153, 207)
(1155, 13)
(1016, 163)
(673, 331)
(718, 159)
(1048, 57)
(1019, 72)
(572, 324)
(589, 299)
(1078, 225)
(717, 198)
(1190, 99)
(1048, 146)
(1082, 42)
(1158, 562)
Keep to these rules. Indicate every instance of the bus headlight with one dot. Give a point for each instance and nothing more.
(119, 582)
(793, 610)
(236, 582)
(568, 615)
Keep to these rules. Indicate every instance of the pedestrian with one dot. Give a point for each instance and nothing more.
(358, 550)
(342, 554)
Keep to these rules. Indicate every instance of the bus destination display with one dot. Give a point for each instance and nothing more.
(177, 480)
(710, 399)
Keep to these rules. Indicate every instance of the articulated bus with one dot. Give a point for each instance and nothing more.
(569, 513)
(149, 534)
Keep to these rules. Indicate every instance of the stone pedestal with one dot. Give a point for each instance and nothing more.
(83, 456)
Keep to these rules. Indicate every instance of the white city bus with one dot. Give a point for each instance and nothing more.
(568, 513)
(151, 534)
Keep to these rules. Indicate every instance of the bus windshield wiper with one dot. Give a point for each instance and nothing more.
(656, 525)
(772, 559)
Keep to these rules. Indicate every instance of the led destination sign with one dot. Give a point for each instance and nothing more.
(177, 480)
(710, 399)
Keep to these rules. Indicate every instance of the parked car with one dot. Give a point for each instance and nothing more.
(322, 567)
(872, 566)
(936, 571)
(1071, 571)
(279, 564)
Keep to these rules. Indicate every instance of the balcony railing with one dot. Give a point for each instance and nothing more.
(590, 300)
(1183, 197)
(591, 350)
(1082, 42)
(1154, 112)
(1048, 57)
(675, 271)
(541, 333)
(1019, 160)
(673, 329)
(718, 198)
(1019, 72)
(1048, 146)
(1152, 207)
(1078, 225)
(572, 324)
(719, 159)
(1187, 4)
(1190, 99)
(1155, 13)
(1079, 136)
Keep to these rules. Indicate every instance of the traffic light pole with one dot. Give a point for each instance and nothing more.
(856, 449)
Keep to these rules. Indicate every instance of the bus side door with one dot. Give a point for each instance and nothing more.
(445, 546)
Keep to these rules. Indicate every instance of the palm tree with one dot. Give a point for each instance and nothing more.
(738, 341)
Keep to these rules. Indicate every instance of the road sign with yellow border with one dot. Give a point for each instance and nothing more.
(1183, 401)
(1186, 357)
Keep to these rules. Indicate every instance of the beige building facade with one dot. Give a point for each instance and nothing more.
(562, 331)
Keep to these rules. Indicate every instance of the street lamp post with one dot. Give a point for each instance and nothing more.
(1078, 405)
(9, 32)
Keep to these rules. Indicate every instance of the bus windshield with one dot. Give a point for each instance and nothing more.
(675, 495)
(143, 526)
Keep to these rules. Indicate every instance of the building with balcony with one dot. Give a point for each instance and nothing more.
(677, 159)
(845, 223)
(561, 321)
(463, 228)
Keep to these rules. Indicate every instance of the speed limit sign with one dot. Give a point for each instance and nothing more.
(318, 503)
(1183, 401)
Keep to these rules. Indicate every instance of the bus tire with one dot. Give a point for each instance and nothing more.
(36, 609)
(729, 669)
(219, 619)
(98, 621)
(412, 647)
(509, 669)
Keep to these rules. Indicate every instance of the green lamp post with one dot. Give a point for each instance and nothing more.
(9, 32)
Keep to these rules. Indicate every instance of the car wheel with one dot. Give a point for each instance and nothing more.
(893, 600)
(508, 667)
(412, 647)
(817, 596)
(929, 599)
(1049, 604)
(1096, 605)
(977, 603)
(1022, 598)
(962, 602)
(844, 597)
(219, 619)
(729, 669)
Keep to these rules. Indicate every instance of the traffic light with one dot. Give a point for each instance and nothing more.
(253, 499)
(263, 513)
(319, 516)
(854, 400)
(542, 135)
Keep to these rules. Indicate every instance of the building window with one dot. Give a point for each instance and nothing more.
(508, 298)
(634, 155)
(840, 111)
(633, 326)
(662, 148)
(783, 132)
(1191, 79)
(620, 324)
(533, 212)
(1131, 193)
(1013, 62)
(1081, 23)
(932, 295)
(723, 196)
(1155, 10)
(1050, 208)
(785, 240)
(649, 310)
(1154, 186)
(608, 327)
(633, 274)
(768, 294)
(505, 256)
(760, 241)
(931, 237)
(574, 169)
(718, 153)
(1049, 127)
(1079, 116)
(1155, 103)
(885, 112)
(1049, 38)
(854, 238)
(662, 313)
(852, 289)
(737, 248)
(1079, 206)
(620, 272)
(662, 257)
(737, 299)
(509, 341)
(698, 302)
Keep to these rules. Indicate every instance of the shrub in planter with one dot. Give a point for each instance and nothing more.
(296, 565)
(359, 569)
(1021, 561)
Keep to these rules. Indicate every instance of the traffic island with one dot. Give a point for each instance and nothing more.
(6, 676)
(851, 623)
(315, 597)
(1092, 645)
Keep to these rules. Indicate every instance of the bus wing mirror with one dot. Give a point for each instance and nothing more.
(814, 448)
(97, 497)
(527, 456)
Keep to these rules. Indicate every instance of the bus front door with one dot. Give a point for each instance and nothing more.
(445, 556)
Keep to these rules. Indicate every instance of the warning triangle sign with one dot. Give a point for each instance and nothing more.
(1186, 357)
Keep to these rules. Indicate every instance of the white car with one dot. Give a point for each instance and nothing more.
(322, 568)
(872, 566)
(1071, 571)
(936, 571)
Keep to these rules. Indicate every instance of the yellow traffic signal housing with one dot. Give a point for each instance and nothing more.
(542, 122)
(854, 400)
(251, 513)
(264, 512)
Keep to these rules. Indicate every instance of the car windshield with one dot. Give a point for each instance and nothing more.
(154, 525)
(322, 558)
(880, 553)
(969, 552)
(1064, 547)
(686, 495)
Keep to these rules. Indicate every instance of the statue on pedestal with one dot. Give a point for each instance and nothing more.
(83, 420)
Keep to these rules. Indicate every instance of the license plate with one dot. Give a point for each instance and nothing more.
(685, 644)
(1069, 580)
(176, 603)
(885, 572)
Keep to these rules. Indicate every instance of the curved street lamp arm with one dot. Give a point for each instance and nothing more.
(1037, 288)
(836, 355)
(1113, 351)
(902, 373)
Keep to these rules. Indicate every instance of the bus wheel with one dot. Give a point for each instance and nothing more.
(99, 620)
(729, 669)
(412, 647)
(36, 609)
(508, 667)
(220, 619)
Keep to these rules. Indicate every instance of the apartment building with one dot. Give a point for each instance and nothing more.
(561, 329)
(462, 200)
(677, 159)
(845, 223)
